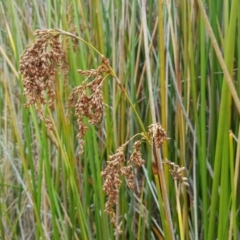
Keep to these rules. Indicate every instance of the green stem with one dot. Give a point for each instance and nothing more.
(219, 54)
(202, 162)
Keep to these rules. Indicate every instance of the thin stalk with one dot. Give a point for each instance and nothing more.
(163, 84)
(224, 200)
(113, 40)
(197, 154)
(153, 114)
(203, 150)
(141, 229)
(161, 206)
(227, 78)
(132, 228)
(180, 220)
(122, 107)
(232, 234)
(237, 164)
(100, 40)
(76, 37)
(213, 89)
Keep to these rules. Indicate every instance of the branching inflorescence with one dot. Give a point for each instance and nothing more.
(115, 170)
(87, 99)
(40, 63)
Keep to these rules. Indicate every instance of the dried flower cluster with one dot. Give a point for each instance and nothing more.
(157, 134)
(112, 183)
(38, 66)
(116, 168)
(176, 172)
(87, 99)
(114, 171)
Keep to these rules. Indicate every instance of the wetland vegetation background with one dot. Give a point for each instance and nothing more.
(176, 63)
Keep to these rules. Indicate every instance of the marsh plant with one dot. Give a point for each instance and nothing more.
(40, 62)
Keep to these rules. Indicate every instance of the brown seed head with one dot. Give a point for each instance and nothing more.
(136, 156)
(157, 134)
(39, 64)
(117, 169)
(112, 183)
(87, 99)
(177, 172)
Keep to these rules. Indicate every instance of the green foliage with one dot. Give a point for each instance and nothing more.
(173, 68)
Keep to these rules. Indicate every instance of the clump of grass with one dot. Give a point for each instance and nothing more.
(39, 64)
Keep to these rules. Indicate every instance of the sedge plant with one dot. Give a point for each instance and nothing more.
(40, 62)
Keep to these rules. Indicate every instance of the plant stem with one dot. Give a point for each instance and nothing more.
(152, 107)
(219, 56)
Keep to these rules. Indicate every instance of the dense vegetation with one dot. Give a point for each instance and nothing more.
(115, 70)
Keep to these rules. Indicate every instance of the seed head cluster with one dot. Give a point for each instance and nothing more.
(112, 183)
(136, 156)
(87, 99)
(114, 171)
(177, 172)
(117, 168)
(39, 64)
(157, 134)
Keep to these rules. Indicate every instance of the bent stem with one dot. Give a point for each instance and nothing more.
(60, 31)
(112, 73)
